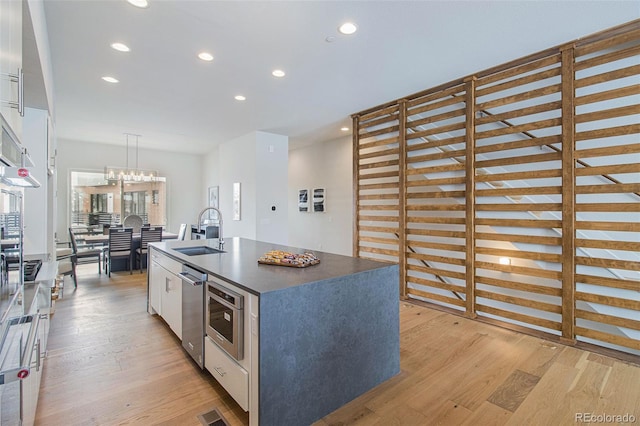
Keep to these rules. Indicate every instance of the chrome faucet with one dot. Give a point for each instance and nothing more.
(220, 239)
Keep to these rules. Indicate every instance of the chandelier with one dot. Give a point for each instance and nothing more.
(129, 174)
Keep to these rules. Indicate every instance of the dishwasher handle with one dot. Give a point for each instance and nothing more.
(188, 278)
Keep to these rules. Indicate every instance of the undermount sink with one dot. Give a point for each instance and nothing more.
(198, 250)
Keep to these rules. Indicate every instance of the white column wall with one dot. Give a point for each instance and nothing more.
(258, 161)
(238, 164)
(271, 188)
(323, 165)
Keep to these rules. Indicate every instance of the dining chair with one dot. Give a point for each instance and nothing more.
(120, 243)
(85, 255)
(67, 263)
(182, 232)
(133, 221)
(147, 235)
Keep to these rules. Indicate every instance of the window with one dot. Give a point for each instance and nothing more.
(96, 202)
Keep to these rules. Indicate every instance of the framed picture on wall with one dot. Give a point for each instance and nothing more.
(214, 201)
(318, 200)
(236, 201)
(303, 200)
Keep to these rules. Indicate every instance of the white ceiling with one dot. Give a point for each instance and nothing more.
(178, 102)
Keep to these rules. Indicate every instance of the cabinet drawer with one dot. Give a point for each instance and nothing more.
(227, 372)
(166, 262)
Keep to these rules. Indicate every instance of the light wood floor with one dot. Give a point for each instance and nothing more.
(110, 363)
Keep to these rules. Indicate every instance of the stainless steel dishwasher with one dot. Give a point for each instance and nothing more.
(193, 312)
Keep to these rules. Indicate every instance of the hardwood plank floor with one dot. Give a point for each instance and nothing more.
(110, 363)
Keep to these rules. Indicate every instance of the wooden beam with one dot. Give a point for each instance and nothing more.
(402, 201)
(356, 184)
(470, 201)
(568, 195)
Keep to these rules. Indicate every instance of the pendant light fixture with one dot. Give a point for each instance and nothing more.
(129, 174)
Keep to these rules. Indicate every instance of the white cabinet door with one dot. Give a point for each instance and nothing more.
(10, 61)
(30, 386)
(172, 303)
(156, 285)
(165, 290)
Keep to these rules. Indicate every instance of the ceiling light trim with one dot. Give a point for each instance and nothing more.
(120, 47)
(348, 28)
(142, 4)
(205, 56)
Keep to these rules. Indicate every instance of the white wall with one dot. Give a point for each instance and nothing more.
(210, 173)
(185, 193)
(271, 188)
(258, 161)
(237, 164)
(324, 165)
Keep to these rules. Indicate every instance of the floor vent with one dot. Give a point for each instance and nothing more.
(213, 418)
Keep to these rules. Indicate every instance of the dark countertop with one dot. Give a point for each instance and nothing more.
(239, 264)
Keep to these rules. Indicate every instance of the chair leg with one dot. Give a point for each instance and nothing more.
(73, 275)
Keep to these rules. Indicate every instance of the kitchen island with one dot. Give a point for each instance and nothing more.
(315, 338)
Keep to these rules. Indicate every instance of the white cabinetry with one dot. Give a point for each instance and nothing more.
(165, 290)
(11, 80)
(30, 386)
(35, 126)
(156, 280)
(227, 372)
(172, 303)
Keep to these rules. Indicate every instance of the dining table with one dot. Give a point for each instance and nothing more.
(102, 239)
(98, 240)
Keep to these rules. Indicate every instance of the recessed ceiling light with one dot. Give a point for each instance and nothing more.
(205, 56)
(344, 129)
(348, 28)
(139, 3)
(278, 73)
(121, 47)
(240, 98)
(110, 79)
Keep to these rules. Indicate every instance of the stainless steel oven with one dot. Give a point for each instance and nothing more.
(224, 320)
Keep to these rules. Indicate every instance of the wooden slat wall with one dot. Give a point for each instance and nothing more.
(435, 215)
(514, 194)
(377, 185)
(607, 131)
(517, 211)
